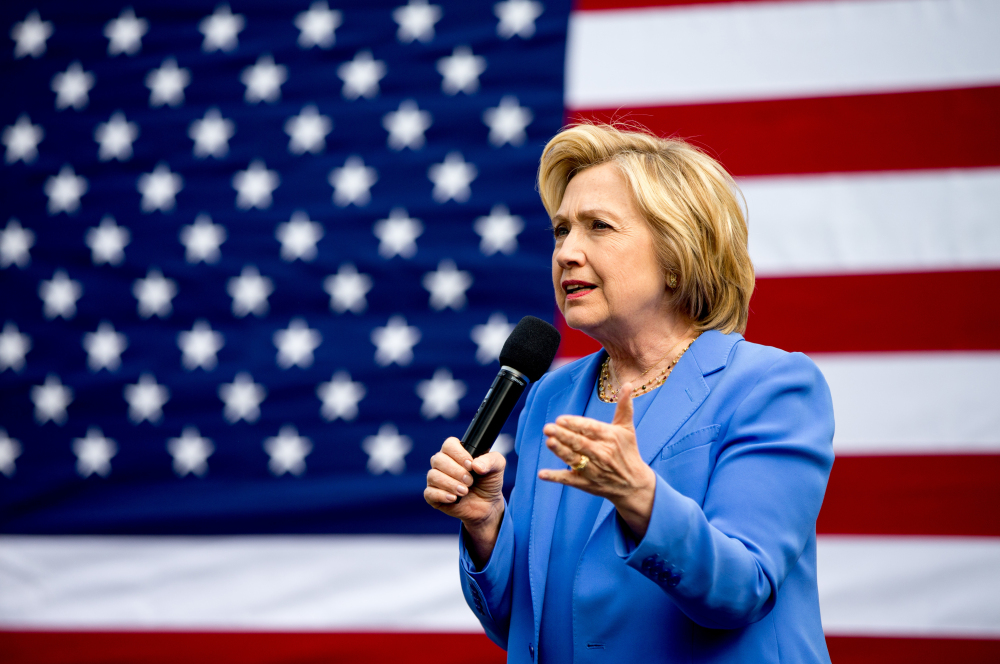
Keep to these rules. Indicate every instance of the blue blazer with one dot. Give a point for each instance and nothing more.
(740, 437)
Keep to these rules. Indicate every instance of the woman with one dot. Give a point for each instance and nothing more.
(683, 528)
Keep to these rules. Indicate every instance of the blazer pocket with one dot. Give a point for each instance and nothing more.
(694, 439)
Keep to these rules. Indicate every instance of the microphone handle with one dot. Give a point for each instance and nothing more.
(494, 411)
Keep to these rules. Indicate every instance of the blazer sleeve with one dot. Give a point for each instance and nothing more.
(724, 564)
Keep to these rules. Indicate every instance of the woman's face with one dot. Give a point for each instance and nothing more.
(604, 267)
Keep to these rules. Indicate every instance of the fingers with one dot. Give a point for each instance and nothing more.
(567, 477)
(624, 411)
(436, 497)
(453, 468)
(453, 447)
(445, 483)
(567, 445)
(489, 463)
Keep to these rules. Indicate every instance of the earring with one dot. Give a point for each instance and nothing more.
(671, 280)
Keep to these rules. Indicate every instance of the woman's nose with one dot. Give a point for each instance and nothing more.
(570, 253)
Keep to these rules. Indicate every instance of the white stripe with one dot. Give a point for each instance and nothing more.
(886, 222)
(914, 403)
(779, 50)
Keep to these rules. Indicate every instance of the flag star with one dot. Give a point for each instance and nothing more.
(447, 286)
(308, 131)
(59, 295)
(517, 17)
(507, 121)
(199, 346)
(296, 345)
(107, 242)
(255, 185)
(491, 337)
(116, 137)
(263, 80)
(461, 71)
(30, 36)
(146, 399)
(352, 182)
(347, 289)
(72, 87)
(202, 239)
(498, 231)
(211, 135)
(159, 189)
(94, 453)
(398, 234)
(288, 451)
(503, 445)
(441, 395)
(221, 30)
(154, 294)
(51, 400)
(395, 342)
(65, 190)
(387, 450)
(21, 140)
(452, 178)
(190, 452)
(242, 398)
(406, 126)
(14, 345)
(104, 347)
(361, 76)
(249, 292)
(317, 25)
(298, 237)
(166, 84)
(416, 20)
(340, 397)
(125, 33)
(15, 244)
(10, 449)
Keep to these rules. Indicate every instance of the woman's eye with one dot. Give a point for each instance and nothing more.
(559, 231)
(598, 224)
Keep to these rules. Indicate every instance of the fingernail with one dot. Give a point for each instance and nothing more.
(468, 464)
(451, 498)
(461, 490)
(467, 479)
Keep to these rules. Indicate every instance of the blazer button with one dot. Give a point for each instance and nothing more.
(531, 651)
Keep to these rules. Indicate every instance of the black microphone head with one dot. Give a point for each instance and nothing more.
(531, 347)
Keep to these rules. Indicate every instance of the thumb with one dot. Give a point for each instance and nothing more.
(624, 411)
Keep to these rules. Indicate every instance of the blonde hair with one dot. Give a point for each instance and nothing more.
(690, 202)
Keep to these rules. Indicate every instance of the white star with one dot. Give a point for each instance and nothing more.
(491, 337)
(503, 445)
(211, 135)
(30, 35)
(201, 240)
(15, 244)
(166, 84)
(351, 184)
(263, 80)
(361, 76)
(498, 231)
(64, 190)
(447, 286)
(154, 294)
(72, 87)
(221, 29)
(255, 185)
(159, 189)
(461, 71)
(104, 347)
(249, 292)
(146, 399)
(107, 242)
(125, 33)
(308, 131)
(242, 398)
(116, 137)
(296, 345)
(406, 126)
(398, 234)
(440, 395)
(340, 397)
(387, 450)
(452, 178)
(94, 453)
(298, 237)
(416, 20)
(13, 347)
(51, 400)
(395, 342)
(10, 449)
(21, 140)
(347, 289)
(288, 451)
(199, 346)
(317, 26)
(507, 121)
(517, 17)
(190, 452)
(59, 295)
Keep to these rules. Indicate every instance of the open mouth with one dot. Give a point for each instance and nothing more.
(574, 289)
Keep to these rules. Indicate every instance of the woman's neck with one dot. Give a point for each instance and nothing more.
(643, 350)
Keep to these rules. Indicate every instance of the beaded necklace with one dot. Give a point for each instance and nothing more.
(607, 392)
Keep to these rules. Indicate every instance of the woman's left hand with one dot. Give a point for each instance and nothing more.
(615, 469)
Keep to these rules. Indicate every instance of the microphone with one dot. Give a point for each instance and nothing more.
(526, 356)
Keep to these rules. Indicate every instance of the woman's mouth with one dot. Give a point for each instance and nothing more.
(576, 289)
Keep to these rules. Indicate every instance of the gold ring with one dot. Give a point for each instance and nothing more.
(581, 464)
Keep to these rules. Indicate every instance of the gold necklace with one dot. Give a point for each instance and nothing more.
(607, 392)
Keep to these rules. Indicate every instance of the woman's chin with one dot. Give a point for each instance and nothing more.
(580, 319)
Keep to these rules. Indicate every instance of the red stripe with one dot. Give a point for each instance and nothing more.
(874, 650)
(913, 495)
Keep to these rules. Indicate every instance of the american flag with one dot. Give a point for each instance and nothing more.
(257, 260)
